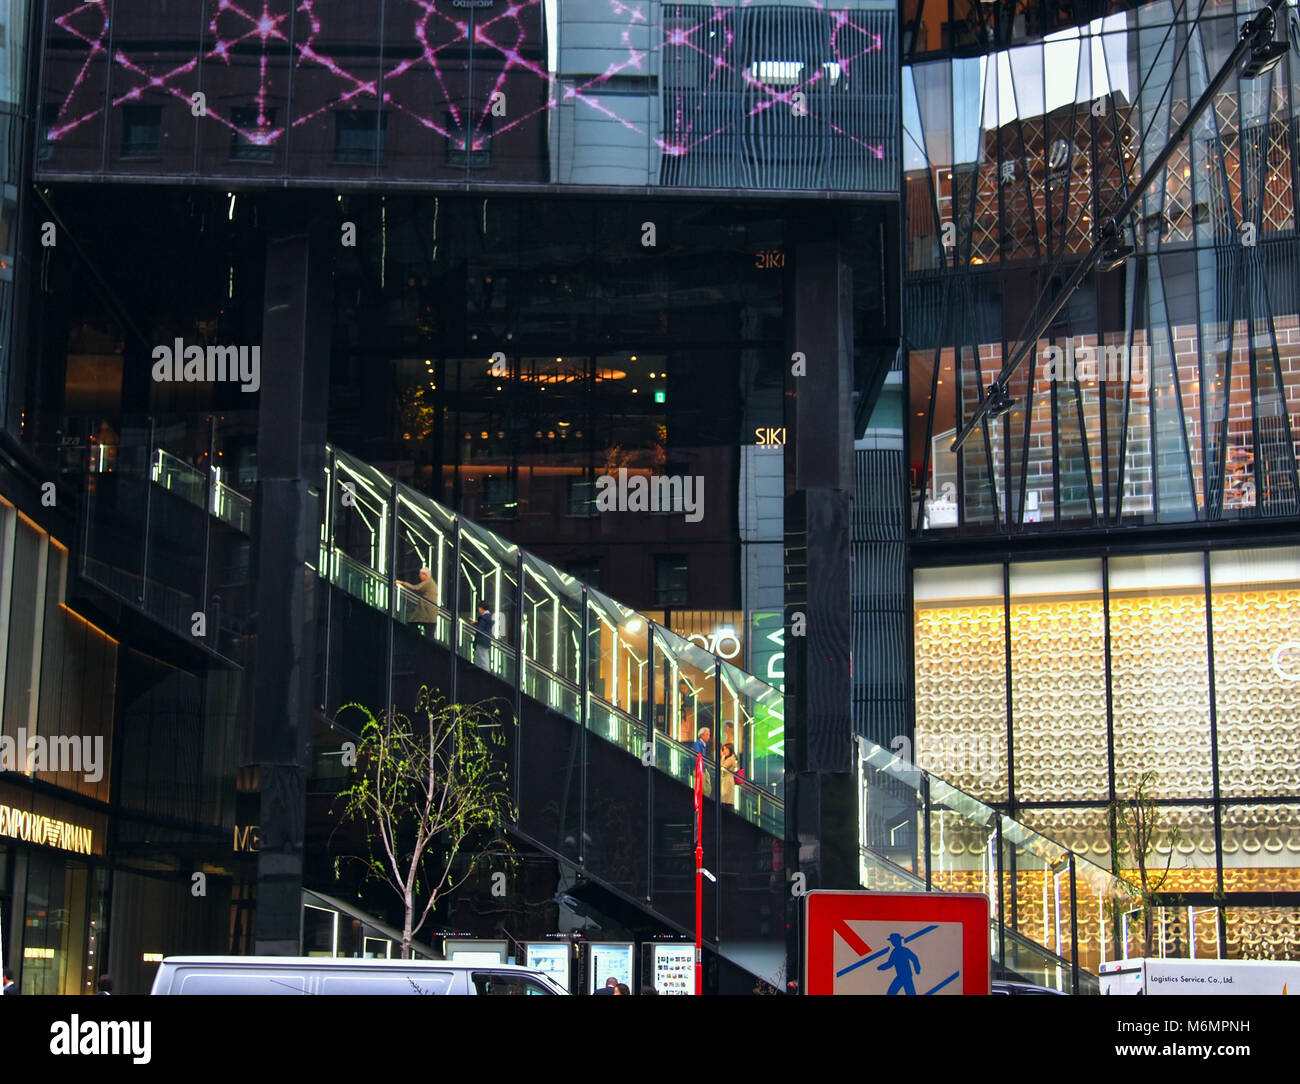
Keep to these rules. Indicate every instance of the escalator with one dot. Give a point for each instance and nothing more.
(605, 701)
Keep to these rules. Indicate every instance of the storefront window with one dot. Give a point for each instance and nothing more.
(58, 952)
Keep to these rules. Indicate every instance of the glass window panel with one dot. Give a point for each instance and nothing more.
(1261, 847)
(1058, 681)
(891, 820)
(960, 660)
(337, 127)
(1160, 674)
(1264, 933)
(1086, 832)
(753, 720)
(1256, 616)
(489, 589)
(963, 851)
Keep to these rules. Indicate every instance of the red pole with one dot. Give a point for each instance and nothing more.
(699, 872)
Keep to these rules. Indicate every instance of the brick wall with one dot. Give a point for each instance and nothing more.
(1173, 376)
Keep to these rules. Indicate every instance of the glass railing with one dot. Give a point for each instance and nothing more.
(165, 526)
(1054, 912)
(203, 489)
(567, 646)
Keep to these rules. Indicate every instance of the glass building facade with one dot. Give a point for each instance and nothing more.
(658, 94)
(1132, 605)
(561, 244)
(1167, 391)
(547, 245)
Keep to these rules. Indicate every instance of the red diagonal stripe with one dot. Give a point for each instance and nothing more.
(851, 939)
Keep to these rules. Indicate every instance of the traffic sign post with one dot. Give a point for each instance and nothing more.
(896, 943)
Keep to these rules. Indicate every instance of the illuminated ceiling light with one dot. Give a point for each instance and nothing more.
(634, 391)
(564, 425)
(498, 387)
(633, 358)
(483, 435)
(559, 361)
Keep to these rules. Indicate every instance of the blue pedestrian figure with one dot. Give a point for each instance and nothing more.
(902, 960)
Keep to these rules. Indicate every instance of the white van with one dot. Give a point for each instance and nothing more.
(255, 975)
(1176, 976)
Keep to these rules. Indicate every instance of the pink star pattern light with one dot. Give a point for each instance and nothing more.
(730, 90)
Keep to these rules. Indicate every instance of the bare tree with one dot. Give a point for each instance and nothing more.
(1135, 836)
(426, 790)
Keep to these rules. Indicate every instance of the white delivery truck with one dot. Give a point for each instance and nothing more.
(1200, 977)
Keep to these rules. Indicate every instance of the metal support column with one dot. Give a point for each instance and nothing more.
(1074, 929)
(649, 714)
(520, 655)
(584, 684)
(455, 613)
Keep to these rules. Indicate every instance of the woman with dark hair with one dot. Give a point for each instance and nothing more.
(730, 765)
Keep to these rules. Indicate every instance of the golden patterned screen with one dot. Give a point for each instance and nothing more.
(1160, 687)
(1160, 693)
(1257, 698)
(1058, 671)
(961, 706)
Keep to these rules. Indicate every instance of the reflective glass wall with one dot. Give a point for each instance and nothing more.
(502, 355)
(1167, 390)
(1080, 677)
(721, 95)
(14, 30)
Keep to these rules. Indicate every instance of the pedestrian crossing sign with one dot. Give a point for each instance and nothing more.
(909, 944)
